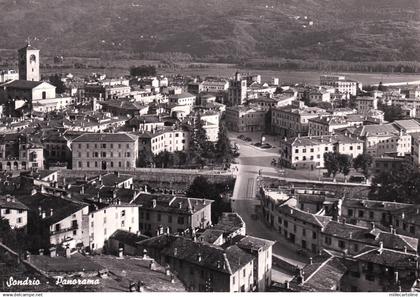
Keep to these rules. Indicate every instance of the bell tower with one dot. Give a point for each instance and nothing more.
(28, 57)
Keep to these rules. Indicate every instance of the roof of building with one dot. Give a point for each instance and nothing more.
(182, 95)
(408, 125)
(321, 276)
(128, 238)
(229, 223)
(304, 216)
(62, 207)
(374, 204)
(388, 258)
(371, 236)
(252, 243)
(376, 130)
(24, 84)
(170, 203)
(57, 265)
(316, 140)
(210, 235)
(105, 137)
(8, 201)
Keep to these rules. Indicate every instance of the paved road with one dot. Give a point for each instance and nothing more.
(243, 200)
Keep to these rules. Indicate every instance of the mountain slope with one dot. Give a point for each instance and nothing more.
(353, 30)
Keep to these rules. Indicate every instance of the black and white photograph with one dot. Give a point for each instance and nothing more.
(181, 146)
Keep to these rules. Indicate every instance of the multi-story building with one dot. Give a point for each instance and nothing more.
(410, 103)
(341, 84)
(170, 140)
(14, 211)
(414, 93)
(183, 99)
(59, 220)
(294, 120)
(237, 90)
(325, 125)
(214, 85)
(104, 151)
(10, 74)
(20, 153)
(97, 90)
(179, 214)
(384, 139)
(308, 152)
(204, 267)
(242, 118)
(365, 104)
(269, 102)
(105, 221)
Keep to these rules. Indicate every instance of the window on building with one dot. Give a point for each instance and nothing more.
(147, 216)
(159, 217)
(328, 240)
(361, 213)
(180, 220)
(371, 215)
(341, 244)
(169, 219)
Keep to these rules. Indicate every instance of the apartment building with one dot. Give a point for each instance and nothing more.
(242, 118)
(13, 211)
(341, 84)
(308, 152)
(103, 222)
(204, 267)
(294, 120)
(325, 125)
(59, 220)
(365, 104)
(182, 99)
(214, 85)
(178, 214)
(384, 139)
(104, 151)
(170, 140)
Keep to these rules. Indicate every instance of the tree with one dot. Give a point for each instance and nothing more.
(344, 163)
(202, 188)
(146, 158)
(56, 81)
(331, 163)
(392, 113)
(145, 70)
(223, 147)
(363, 162)
(198, 143)
(382, 88)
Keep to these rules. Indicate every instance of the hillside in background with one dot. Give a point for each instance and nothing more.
(349, 30)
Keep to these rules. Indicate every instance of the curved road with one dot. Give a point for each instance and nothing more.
(251, 160)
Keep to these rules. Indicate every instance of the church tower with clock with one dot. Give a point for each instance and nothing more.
(29, 63)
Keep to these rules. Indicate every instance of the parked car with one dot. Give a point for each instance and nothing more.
(258, 144)
(249, 139)
(266, 146)
(241, 136)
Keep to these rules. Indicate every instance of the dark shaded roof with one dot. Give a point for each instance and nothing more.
(128, 238)
(251, 243)
(388, 258)
(210, 235)
(105, 137)
(229, 223)
(76, 263)
(374, 205)
(371, 236)
(209, 256)
(110, 179)
(62, 208)
(8, 201)
(23, 84)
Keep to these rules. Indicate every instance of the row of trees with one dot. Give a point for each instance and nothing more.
(201, 151)
(145, 70)
(342, 163)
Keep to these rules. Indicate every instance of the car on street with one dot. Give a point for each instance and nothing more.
(258, 144)
(241, 137)
(266, 146)
(248, 139)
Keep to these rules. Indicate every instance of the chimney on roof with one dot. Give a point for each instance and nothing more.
(53, 252)
(51, 212)
(199, 257)
(180, 205)
(121, 253)
(396, 277)
(41, 252)
(43, 215)
(144, 254)
(405, 249)
(310, 261)
(351, 235)
(381, 247)
(154, 203)
(145, 188)
(114, 194)
(391, 229)
(82, 190)
(68, 253)
(403, 216)
(175, 252)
